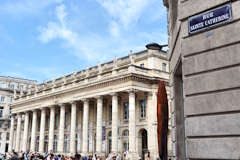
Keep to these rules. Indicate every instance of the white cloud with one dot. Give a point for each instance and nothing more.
(60, 30)
(61, 14)
(91, 47)
(114, 29)
(25, 7)
(125, 11)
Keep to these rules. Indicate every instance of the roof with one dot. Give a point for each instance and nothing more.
(16, 78)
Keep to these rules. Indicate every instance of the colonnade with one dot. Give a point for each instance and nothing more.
(73, 123)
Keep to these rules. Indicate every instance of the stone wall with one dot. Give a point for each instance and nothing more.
(210, 73)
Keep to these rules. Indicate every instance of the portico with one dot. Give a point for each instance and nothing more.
(75, 113)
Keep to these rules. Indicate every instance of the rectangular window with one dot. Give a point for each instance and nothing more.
(66, 119)
(56, 121)
(142, 109)
(8, 125)
(12, 86)
(1, 113)
(39, 123)
(2, 85)
(110, 112)
(164, 67)
(11, 99)
(21, 87)
(125, 110)
(7, 136)
(2, 98)
(47, 123)
(0, 135)
(126, 146)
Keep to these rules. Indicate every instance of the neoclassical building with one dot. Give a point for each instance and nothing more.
(106, 109)
(10, 87)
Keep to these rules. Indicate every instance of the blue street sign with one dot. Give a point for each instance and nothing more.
(210, 18)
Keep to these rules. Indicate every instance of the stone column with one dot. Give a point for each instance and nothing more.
(99, 124)
(85, 126)
(10, 148)
(73, 128)
(114, 123)
(152, 124)
(61, 129)
(17, 147)
(132, 124)
(42, 130)
(25, 133)
(51, 129)
(34, 128)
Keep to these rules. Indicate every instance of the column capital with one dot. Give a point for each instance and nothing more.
(25, 112)
(34, 110)
(62, 104)
(153, 92)
(99, 97)
(13, 115)
(51, 106)
(85, 100)
(42, 108)
(73, 102)
(114, 94)
(19, 114)
(132, 90)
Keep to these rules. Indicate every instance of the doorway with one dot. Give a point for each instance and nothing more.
(143, 142)
(109, 141)
(179, 113)
(6, 148)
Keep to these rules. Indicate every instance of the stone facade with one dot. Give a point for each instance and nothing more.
(204, 81)
(10, 88)
(105, 109)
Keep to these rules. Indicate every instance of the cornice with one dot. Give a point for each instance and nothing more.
(117, 79)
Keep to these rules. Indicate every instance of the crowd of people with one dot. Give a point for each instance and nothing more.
(50, 156)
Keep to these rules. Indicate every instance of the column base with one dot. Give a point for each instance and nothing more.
(84, 154)
(71, 154)
(132, 156)
(154, 156)
(114, 154)
(100, 154)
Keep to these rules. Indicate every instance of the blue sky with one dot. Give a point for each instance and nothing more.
(45, 39)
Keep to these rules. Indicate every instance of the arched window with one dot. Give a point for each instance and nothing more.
(125, 133)
(37, 144)
(55, 143)
(66, 143)
(45, 143)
